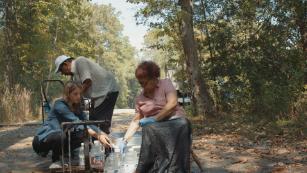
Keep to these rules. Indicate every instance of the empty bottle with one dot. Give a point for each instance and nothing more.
(110, 165)
(81, 156)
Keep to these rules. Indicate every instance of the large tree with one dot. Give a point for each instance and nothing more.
(178, 23)
(251, 54)
(201, 89)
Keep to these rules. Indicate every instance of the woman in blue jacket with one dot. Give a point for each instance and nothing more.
(66, 109)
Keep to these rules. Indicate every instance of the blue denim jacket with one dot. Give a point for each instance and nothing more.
(59, 113)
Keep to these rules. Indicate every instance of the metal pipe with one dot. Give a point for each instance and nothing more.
(69, 151)
(62, 145)
(86, 150)
(66, 125)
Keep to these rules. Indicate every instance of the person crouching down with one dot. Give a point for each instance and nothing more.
(66, 109)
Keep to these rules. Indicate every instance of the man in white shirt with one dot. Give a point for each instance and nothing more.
(98, 84)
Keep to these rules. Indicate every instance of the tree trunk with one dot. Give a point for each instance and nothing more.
(8, 46)
(204, 100)
(301, 20)
(204, 5)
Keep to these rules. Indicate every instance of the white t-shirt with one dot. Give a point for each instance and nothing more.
(103, 81)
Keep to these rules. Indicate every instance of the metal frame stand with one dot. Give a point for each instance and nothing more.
(85, 140)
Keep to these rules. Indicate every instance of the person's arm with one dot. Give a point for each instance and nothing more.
(168, 109)
(133, 127)
(94, 131)
(64, 113)
(93, 127)
(87, 83)
(84, 73)
(101, 136)
(171, 101)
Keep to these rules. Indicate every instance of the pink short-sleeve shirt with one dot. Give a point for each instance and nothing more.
(152, 106)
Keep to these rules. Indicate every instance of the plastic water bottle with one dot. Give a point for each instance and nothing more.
(118, 158)
(129, 162)
(97, 156)
(81, 156)
(110, 163)
(101, 155)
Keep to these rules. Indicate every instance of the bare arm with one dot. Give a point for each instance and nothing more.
(86, 84)
(171, 103)
(133, 127)
(138, 116)
(101, 136)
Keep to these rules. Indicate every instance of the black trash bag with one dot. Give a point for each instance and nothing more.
(166, 147)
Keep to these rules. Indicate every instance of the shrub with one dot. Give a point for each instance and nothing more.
(15, 105)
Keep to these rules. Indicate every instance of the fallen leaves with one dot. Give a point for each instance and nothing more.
(240, 160)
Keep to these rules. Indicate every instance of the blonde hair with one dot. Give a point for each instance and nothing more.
(68, 89)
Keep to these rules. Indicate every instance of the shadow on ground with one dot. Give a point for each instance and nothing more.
(16, 153)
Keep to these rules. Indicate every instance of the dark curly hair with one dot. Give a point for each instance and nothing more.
(147, 69)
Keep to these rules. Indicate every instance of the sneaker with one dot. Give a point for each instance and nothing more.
(55, 165)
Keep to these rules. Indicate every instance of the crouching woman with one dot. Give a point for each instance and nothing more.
(66, 109)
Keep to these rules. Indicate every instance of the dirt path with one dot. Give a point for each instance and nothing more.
(217, 153)
(231, 153)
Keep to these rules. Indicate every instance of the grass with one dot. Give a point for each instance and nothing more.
(15, 105)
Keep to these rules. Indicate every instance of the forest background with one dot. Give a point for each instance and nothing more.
(240, 61)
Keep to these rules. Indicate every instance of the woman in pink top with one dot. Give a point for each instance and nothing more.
(166, 134)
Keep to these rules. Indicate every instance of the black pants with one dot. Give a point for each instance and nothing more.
(105, 111)
(53, 143)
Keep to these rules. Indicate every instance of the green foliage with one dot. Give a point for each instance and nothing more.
(118, 54)
(253, 53)
(257, 64)
(34, 33)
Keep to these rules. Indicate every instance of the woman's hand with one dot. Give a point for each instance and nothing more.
(122, 146)
(103, 138)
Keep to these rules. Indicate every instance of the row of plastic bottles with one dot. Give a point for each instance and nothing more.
(121, 163)
(96, 156)
(114, 163)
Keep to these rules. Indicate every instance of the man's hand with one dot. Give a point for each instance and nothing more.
(147, 121)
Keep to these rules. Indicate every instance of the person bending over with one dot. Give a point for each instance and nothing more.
(98, 84)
